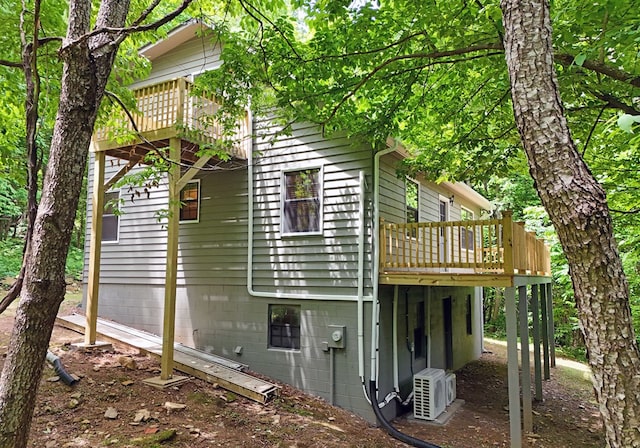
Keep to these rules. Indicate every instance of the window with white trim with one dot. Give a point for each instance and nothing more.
(466, 233)
(284, 326)
(301, 204)
(190, 202)
(110, 217)
(412, 200)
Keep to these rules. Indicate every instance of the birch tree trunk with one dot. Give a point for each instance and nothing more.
(87, 64)
(577, 206)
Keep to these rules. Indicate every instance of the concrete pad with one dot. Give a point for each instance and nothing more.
(443, 418)
(159, 383)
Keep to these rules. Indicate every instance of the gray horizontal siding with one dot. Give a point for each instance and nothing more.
(318, 264)
(192, 57)
(212, 251)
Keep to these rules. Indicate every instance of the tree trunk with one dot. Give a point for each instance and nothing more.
(87, 64)
(577, 206)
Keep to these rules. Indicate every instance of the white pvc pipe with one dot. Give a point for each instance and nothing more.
(361, 232)
(396, 374)
(428, 326)
(376, 263)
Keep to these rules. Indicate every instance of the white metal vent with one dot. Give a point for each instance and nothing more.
(450, 382)
(429, 394)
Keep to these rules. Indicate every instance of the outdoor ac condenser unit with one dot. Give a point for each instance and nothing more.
(429, 398)
(450, 386)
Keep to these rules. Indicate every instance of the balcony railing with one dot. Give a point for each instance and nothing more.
(168, 109)
(497, 246)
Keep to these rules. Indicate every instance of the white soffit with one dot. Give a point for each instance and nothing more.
(175, 37)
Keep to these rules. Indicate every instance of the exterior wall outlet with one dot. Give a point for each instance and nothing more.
(337, 334)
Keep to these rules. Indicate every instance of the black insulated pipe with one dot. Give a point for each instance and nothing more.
(59, 369)
(393, 432)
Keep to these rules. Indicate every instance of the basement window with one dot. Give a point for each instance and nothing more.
(110, 217)
(284, 326)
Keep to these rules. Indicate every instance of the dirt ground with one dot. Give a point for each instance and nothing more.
(110, 406)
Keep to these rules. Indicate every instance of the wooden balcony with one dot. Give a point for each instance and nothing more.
(489, 252)
(169, 110)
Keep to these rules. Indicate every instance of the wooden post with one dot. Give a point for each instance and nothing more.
(507, 241)
(95, 247)
(545, 332)
(551, 330)
(535, 311)
(527, 415)
(513, 373)
(168, 329)
(180, 116)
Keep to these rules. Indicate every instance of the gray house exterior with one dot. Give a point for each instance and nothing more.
(279, 258)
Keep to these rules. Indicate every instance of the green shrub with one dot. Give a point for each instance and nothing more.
(11, 259)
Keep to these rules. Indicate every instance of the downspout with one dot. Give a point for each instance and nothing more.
(361, 240)
(428, 327)
(375, 272)
(373, 385)
(396, 374)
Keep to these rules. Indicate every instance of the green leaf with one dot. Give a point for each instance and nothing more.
(579, 60)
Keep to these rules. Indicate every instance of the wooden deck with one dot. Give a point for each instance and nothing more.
(214, 369)
(169, 110)
(489, 252)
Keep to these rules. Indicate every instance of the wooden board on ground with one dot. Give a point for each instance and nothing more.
(214, 369)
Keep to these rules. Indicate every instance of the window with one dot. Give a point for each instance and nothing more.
(284, 326)
(110, 218)
(302, 202)
(466, 234)
(411, 198)
(190, 202)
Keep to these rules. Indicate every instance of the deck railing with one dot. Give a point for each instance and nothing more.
(498, 246)
(168, 108)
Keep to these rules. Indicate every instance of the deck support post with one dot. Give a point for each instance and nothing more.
(545, 332)
(512, 367)
(168, 328)
(95, 248)
(535, 311)
(551, 327)
(527, 416)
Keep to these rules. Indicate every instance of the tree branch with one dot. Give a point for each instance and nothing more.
(592, 130)
(432, 55)
(11, 64)
(136, 28)
(615, 103)
(367, 52)
(619, 75)
(626, 212)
